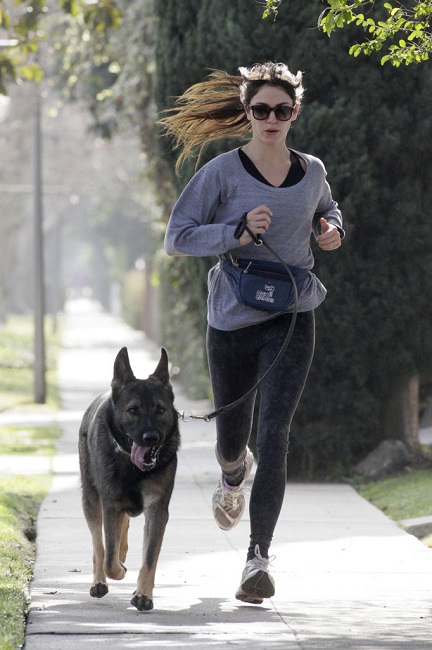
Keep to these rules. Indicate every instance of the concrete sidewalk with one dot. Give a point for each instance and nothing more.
(346, 576)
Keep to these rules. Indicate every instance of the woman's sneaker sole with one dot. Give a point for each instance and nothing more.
(256, 587)
(247, 598)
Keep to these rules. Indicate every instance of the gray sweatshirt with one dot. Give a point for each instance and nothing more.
(205, 216)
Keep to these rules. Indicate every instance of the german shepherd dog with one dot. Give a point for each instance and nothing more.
(128, 444)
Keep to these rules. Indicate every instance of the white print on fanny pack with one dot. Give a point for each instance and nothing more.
(266, 295)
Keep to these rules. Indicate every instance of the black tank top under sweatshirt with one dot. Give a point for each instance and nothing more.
(295, 173)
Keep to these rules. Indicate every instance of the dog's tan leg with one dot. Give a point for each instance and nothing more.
(99, 587)
(156, 518)
(113, 528)
(93, 514)
(124, 539)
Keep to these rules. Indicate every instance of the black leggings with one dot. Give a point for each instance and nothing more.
(236, 360)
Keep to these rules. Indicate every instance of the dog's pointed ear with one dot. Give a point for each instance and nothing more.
(162, 372)
(122, 370)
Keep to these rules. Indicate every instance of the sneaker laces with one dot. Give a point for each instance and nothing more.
(261, 562)
(229, 496)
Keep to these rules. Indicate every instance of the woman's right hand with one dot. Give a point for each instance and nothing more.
(258, 221)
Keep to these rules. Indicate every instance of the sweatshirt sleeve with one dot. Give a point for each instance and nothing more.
(191, 229)
(327, 208)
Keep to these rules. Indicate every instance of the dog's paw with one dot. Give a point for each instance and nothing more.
(142, 602)
(99, 590)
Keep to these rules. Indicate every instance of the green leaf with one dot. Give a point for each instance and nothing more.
(355, 50)
(26, 72)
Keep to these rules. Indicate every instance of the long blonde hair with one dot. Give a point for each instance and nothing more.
(214, 108)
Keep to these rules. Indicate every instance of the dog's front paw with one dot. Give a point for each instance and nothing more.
(142, 602)
(99, 590)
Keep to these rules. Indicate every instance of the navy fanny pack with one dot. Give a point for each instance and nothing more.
(264, 285)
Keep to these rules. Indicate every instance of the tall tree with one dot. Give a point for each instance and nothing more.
(99, 56)
(403, 29)
(371, 127)
(23, 27)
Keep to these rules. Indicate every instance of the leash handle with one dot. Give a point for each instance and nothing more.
(259, 241)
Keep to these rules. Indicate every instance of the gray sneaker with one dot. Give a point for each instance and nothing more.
(229, 502)
(256, 583)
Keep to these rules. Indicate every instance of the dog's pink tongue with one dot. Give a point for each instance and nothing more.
(137, 455)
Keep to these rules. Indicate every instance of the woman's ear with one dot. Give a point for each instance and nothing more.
(295, 112)
(247, 111)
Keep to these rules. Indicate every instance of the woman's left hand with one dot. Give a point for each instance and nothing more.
(330, 238)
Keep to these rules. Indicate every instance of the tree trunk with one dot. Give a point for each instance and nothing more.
(401, 420)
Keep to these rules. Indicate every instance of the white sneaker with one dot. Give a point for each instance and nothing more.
(229, 502)
(256, 583)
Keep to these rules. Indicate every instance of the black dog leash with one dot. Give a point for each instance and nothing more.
(187, 416)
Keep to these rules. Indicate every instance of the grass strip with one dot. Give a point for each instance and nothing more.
(20, 499)
(405, 496)
(21, 496)
(17, 360)
(29, 441)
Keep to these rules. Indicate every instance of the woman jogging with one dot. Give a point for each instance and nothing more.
(262, 189)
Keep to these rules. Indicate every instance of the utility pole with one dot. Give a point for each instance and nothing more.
(39, 381)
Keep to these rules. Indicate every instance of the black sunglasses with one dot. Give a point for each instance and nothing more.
(282, 112)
